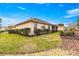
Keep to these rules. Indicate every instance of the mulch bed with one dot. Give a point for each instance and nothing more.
(71, 44)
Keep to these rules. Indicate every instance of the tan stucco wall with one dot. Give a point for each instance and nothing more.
(61, 28)
(39, 26)
(46, 26)
(27, 25)
(31, 26)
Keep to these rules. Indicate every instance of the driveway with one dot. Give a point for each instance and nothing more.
(70, 44)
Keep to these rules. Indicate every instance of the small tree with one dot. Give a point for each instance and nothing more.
(10, 27)
(71, 26)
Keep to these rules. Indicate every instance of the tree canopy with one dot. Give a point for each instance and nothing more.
(61, 24)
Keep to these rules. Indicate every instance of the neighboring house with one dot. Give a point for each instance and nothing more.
(61, 27)
(3, 28)
(34, 23)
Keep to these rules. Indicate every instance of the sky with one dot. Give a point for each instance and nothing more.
(55, 13)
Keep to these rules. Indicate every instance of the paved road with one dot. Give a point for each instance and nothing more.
(71, 44)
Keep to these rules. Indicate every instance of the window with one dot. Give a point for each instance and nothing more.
(43, 27)
(35, 25)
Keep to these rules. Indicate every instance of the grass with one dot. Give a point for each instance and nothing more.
(51, 52)
(13, 43)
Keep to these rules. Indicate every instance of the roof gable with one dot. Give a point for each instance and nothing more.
(34, 20)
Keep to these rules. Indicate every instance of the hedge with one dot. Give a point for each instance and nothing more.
(41, 31)
(24, 31)
(66, 33)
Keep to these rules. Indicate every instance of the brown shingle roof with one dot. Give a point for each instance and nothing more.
(34, 20)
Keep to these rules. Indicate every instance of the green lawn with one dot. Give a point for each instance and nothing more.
(13, 43)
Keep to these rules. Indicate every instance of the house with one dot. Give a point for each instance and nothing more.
(34, 23)
(3, 28)
(61, 27)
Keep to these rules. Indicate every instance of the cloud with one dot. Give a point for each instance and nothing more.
(69, 16)
(72, 13)
(9, 21)
(21, 8)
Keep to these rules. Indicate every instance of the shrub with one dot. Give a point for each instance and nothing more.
(61, 32)
(38, 32)
(46, 31)
(66, 33)
(11, 31)
(18, 31)
(24, 31)
(41, 31)
(73, 31)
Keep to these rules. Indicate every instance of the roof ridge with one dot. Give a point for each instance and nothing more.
(32, 19)
(40, 20)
